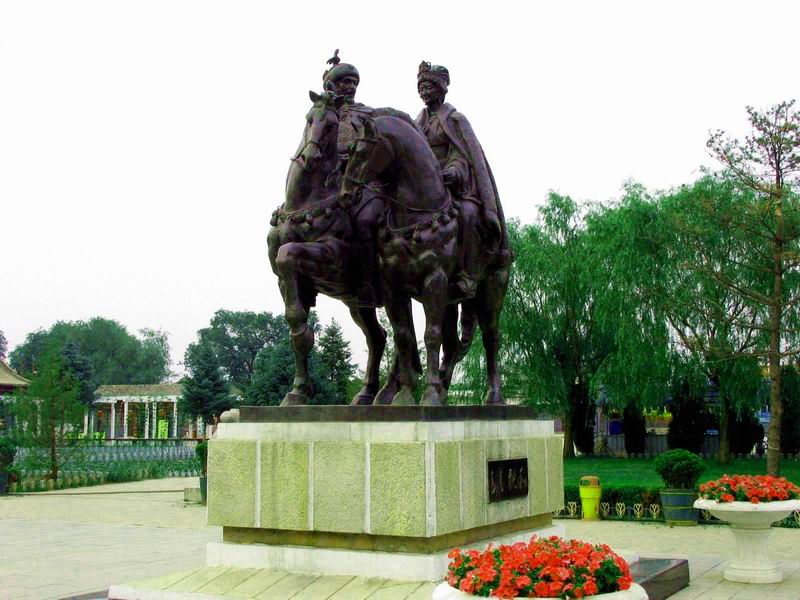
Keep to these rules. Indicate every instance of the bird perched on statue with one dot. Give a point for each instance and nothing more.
(334, 60)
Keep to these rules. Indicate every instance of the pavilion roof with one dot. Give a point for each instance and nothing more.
(9, 377)
(156, 389)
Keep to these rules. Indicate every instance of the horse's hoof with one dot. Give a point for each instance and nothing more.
(385, 396)
(494, 398)
(362, 399)
(294, 399)
(404, 398)
(431, 397)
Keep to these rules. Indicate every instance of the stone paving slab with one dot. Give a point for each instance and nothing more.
(230, 583)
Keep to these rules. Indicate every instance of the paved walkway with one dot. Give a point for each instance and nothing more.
(73, 542)
(69, 543)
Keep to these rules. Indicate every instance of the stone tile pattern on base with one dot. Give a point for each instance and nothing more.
(232, 483)
(432, 482)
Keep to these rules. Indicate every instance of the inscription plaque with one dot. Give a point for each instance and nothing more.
(507, 478)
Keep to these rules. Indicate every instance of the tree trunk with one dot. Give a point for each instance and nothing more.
(53, 453)
(725, 419)
(583, 416)
(776, 310)
(775, 406)
(569, 439)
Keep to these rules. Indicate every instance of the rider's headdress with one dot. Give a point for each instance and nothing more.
(434, 73)
(338, 70)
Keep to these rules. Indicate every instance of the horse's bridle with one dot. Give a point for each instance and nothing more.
(321, 147)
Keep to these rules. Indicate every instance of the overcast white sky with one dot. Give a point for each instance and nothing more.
(144, 145)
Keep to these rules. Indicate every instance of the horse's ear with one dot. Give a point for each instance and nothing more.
(315, 97)
(369, 129)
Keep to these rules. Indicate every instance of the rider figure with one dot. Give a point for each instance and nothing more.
(466, 172)
(342, 79)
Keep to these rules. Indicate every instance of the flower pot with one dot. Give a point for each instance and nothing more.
(678, 506)
(635, 592)
(751, 526)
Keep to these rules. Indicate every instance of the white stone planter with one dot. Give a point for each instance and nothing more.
(751, 526)
(635, 592)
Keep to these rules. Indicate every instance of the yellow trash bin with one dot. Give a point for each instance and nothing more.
(590, 491)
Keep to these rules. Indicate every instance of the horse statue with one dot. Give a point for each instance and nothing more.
(311, 249)
(419, 249)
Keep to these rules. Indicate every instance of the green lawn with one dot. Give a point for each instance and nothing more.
(639, 471)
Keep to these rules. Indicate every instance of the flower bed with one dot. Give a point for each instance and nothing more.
(749, 488)
(542, 568)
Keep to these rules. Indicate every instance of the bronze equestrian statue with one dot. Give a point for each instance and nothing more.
(378, 212)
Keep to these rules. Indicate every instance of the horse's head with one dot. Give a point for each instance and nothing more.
(322, 125)
(368, 159)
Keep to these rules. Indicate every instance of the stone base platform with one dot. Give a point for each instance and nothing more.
(361, 490)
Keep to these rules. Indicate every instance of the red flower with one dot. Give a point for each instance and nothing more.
(548, 568)
(590, 587)
(541, 589)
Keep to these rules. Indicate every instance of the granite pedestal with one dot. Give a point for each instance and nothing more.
(376, 491)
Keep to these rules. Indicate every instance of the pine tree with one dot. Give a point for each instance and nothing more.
(205, 392)
(50, 410)
(336, 359)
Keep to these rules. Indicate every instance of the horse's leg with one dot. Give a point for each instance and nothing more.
(287, 262)
(489, 303)
(399, 312)
(392, 384)
(434, 304)
(367, 320)
(449, 344)
(456, 350)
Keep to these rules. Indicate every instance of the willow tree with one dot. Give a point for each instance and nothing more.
(764, 166)
(551, 342)
(625, 261)
(718, 326)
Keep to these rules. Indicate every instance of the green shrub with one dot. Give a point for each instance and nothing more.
(8, 450)
(679, 468)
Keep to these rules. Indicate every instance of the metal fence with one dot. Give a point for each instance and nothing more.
(123, 451)
(655, 444)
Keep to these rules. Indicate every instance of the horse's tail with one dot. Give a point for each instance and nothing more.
(469, 322)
